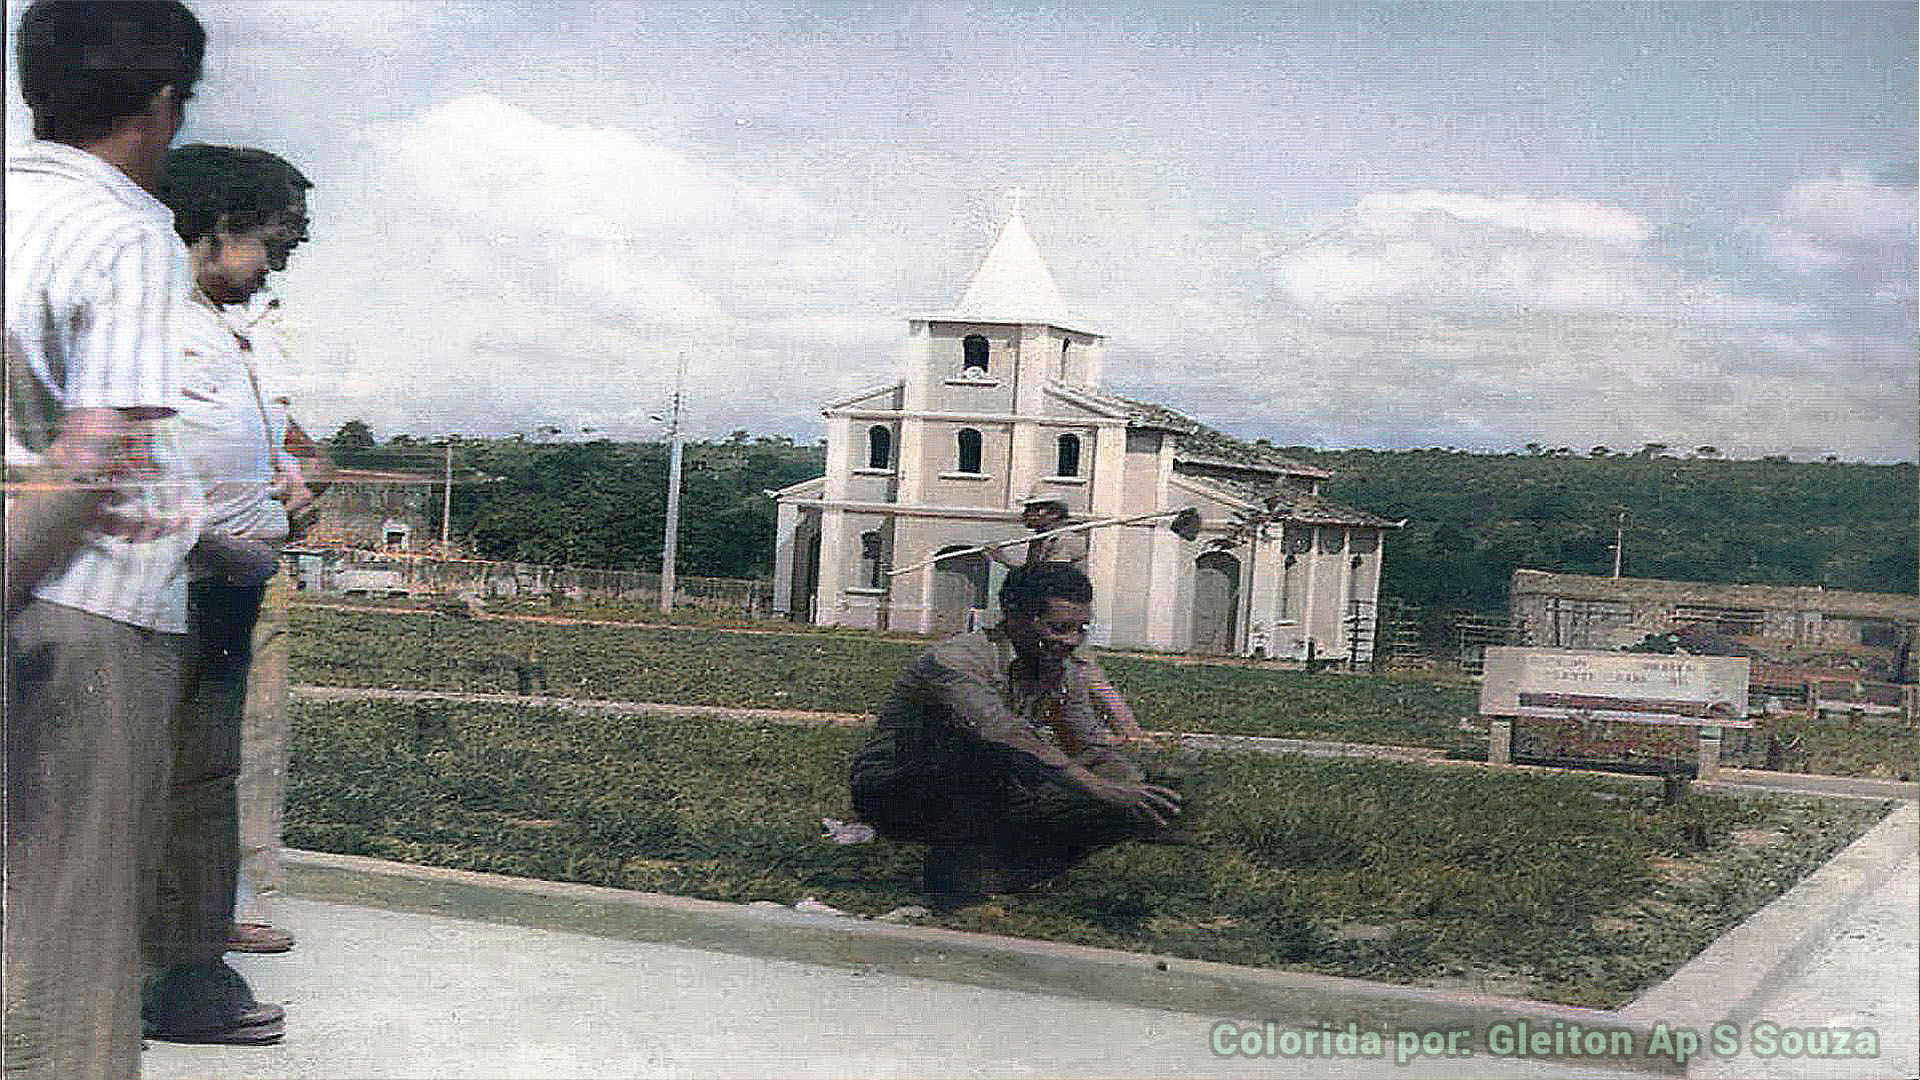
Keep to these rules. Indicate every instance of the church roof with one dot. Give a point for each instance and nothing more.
(1196, 443)
(1013, 284)
(1295, 506)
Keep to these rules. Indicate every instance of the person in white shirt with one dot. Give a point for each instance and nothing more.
(1042, 513)
(301, 473)
(100, 515)
(239, 210)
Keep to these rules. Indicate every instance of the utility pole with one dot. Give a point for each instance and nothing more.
(446, 500)
(1619, 542)
(669, 550)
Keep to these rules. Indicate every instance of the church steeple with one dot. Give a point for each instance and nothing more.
(1012, 284)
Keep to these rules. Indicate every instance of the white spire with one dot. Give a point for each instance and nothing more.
(1012, 284)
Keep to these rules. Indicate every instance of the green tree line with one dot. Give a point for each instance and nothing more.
(1472, 518)
(602, 503)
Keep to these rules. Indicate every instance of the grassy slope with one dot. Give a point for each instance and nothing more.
(1574, 889)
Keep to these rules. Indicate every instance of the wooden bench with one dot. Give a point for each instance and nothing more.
(1708, 693)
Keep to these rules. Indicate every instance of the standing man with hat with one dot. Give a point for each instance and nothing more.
(1040, 513)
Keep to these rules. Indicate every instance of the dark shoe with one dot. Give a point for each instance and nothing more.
(207, 1003)
(255, 937)
(250, 1026)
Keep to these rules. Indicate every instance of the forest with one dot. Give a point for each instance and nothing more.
(1472, 518)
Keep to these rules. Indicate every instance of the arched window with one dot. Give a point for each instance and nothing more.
(975, 351)
(879, 447)
(969, 451)
(1061, 371)
(1069, 464)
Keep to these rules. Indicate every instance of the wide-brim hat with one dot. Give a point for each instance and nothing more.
(1042, 498)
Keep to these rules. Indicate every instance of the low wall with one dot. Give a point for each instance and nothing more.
(341, 569)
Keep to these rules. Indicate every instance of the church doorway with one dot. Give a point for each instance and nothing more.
(806, 579)
(959, 592)
(1216, 603)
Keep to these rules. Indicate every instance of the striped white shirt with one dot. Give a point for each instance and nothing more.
(96, 280)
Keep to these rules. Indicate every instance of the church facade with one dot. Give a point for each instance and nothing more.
(999, 400)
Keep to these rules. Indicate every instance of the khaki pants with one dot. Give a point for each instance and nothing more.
(264, 739)
(87, 702)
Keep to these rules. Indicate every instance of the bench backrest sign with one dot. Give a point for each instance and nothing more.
(1651, 689)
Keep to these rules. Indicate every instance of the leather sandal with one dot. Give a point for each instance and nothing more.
(256, 937)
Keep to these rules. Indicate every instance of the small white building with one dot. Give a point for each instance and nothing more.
(999, 398)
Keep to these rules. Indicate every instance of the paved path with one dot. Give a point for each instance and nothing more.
(373, 992)
(378, 994)
(1861, 974)
(1839, 951)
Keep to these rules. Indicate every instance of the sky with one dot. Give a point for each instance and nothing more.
(1377, 225)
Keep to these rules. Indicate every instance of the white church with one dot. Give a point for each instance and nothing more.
(999, 399)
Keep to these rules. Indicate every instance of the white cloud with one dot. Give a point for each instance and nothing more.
(1390, 211)
(1848, 224)
(1851, 204)
(1436, 318)
(1477, 257)
(491, 270)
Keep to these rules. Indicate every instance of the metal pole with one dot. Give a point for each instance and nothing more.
(1619, 541)
(446, 501)
(1018, 540)
(669, 550)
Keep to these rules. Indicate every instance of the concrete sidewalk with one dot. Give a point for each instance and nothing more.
(498, 977)
(372, 993)
(1838, 952)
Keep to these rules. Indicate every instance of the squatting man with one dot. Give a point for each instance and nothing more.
(989, 751)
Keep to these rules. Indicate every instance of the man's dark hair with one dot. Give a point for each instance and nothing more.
(1028, 588)
(85, 64)
(244, 188)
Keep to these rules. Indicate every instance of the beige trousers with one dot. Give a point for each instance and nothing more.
(264, 739)
(88, 703)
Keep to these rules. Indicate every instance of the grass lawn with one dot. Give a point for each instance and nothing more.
(1845, 746)
(848, 671)
(832, 672)
(1578, 889)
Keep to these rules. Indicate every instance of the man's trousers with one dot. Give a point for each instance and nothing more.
(88, 701)
(191, 915)
(264, 740)
(1039, 823)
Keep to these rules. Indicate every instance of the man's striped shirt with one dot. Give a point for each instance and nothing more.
(96, 280)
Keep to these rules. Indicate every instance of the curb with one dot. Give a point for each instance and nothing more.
(1301, 1001)
(1839, 787)
(1732, 977)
